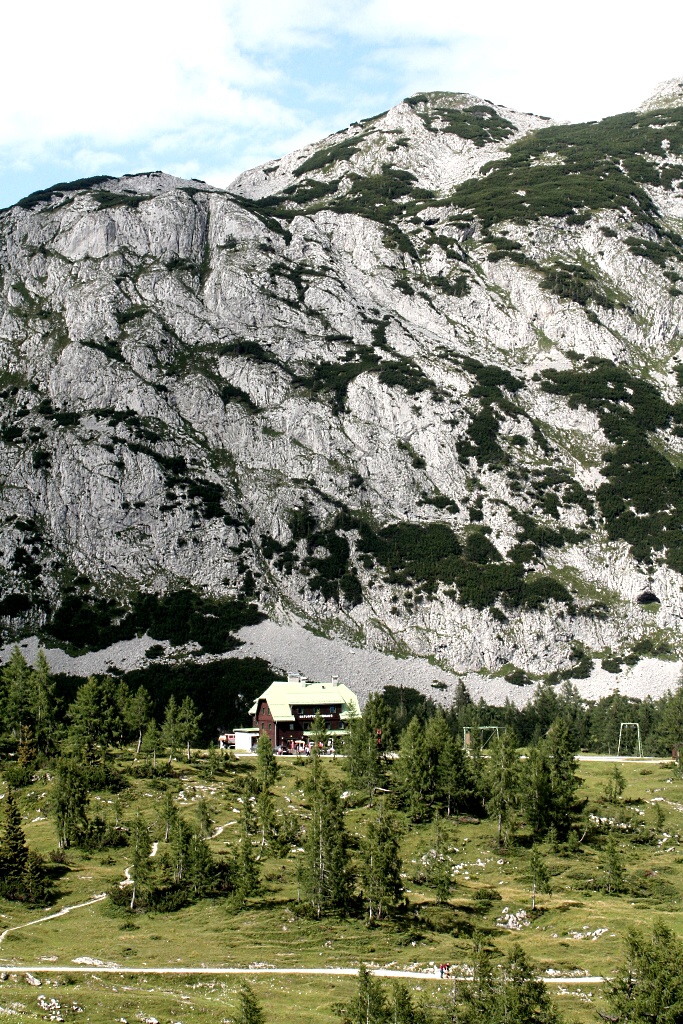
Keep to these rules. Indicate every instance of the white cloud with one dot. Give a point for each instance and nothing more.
(225, 84)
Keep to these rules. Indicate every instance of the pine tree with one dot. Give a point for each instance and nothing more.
(319, 733)
(247, 869)
(204, 819)
(507, 993)
(366, 741)
(200, 869)
(540, 876)
(536, 788)
(137, 713)
(69, 801)
(180, 836)
(265, 813)
(94, 716)
(266, 764)
(413, 774)
(615, 785)
(502, 779)
(564, 781)
(142, 847)
(170, 731)
(169, 812)
(381, 865)
(249, 790)
(369, 1005)
(249, 1009)
(327, 877)
(454, 783)
(35, 886)
(13, 850)
(188, 723)
(612, 863)
(43, 704)
(152, 740)
(438, 869)
(16, 681)
(521, 998)
(648, 988)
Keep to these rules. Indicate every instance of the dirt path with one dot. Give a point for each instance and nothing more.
(379, 972)
(51, 917)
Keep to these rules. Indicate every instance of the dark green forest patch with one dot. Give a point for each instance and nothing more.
(642, 501)
(479, 123)
(570, 170)
(89, 621)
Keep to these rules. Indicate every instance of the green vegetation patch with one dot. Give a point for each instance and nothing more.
(432, 554)
(328, 155)
(569, 170)
(642, 502)
(479, 123)
(58, 191)
(91, 622)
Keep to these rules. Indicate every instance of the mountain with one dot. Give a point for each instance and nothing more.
(418, 386)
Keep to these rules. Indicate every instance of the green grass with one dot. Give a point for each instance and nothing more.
(268, 931)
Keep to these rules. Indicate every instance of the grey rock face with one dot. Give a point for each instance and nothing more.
(183, 368)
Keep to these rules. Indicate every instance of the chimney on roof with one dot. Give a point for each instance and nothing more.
(335, 680)
(303, 680)
(292, 677)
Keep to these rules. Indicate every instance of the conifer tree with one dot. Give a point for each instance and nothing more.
(169, 812)
(249, 790)
(615, 785)
(13, 850)
(204, 819)
(502, 781)
(327, 877)
(366, 742)
(536, 790)
(247, 869)
(249, 1009)
(438, 869)
(413, 775)
(648, 988)
(138, 712)
(152, 740)
(199, 871)
(180, 835)
(188, 723)
(16, 683)
(35, 886)
(142, 847)
(380, 868)
(564, 781)
(540, 876)
(69, 801)
(94, 716)
(612, 864)
(266, 764)
(369, 1005)
(170, 731)
(43, 704)
(265, 813)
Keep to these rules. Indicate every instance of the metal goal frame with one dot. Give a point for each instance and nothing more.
(490, 730)
(630, 725)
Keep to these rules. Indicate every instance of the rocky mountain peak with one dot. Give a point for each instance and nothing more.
(667, 94)
(418, 385)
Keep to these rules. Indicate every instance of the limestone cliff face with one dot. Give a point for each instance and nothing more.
(415, 385)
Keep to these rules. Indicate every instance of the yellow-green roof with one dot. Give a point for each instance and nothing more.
(281, 696)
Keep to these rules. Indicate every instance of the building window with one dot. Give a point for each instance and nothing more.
(333, 709)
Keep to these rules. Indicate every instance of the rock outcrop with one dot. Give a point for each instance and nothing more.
(417, 386)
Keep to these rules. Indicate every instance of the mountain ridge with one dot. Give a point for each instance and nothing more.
(374, 386)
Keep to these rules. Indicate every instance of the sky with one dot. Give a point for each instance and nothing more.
(210, 88)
